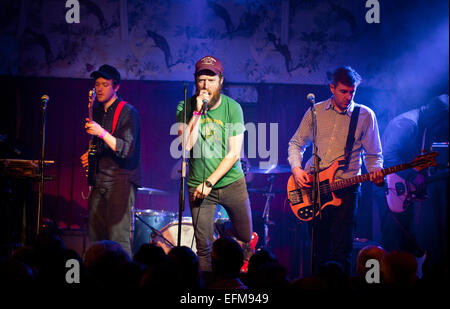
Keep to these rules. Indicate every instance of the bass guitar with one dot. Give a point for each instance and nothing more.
(301, 200)
(90, 171)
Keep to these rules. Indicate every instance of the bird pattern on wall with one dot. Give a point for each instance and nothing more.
(165, 38)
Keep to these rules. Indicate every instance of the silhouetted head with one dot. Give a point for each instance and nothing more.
(150, 254)
(184, 263)
(333, 274)
(227, 257)
(365, 254)
(399, 269)
(435, 117)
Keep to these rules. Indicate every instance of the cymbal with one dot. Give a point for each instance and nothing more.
(151, 191)
(263, 191)
(277, 169)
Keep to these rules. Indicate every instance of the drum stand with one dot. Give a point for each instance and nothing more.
(269, 196)
(155, 231)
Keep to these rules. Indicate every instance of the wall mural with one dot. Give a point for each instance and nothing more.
(273, 41)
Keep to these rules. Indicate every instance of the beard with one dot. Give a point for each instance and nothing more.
(214, 99)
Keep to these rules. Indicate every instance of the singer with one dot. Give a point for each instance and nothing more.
(334, 230)
(118, 157)
(214, 136)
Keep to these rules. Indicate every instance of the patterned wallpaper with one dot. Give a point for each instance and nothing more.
(261, 41)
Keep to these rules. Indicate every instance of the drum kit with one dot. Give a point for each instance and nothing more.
(161, 227)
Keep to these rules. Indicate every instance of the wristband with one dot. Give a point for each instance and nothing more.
(103, 134)
(197, 113)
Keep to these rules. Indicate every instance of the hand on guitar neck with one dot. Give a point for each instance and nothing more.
(85, 160)
(377, 177)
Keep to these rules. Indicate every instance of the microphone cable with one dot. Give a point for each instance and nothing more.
(202, 154)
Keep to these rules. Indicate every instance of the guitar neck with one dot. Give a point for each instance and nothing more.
(92, 96)
(344, 183)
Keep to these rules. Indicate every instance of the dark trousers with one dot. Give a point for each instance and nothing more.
(334, 232)
(234, 198)
(398, 231)
(110, 213)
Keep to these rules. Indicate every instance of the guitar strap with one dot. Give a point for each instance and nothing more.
(351, 134)
(116, 115)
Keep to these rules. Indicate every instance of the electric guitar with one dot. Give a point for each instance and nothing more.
(402, 193)
(301, 201)
(90, 171)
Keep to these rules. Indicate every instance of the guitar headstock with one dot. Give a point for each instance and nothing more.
(92, 96)
(425, 160)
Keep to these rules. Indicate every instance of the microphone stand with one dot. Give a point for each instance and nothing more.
(41, 164)
(181, 199)
(266, 216)
(315, 189)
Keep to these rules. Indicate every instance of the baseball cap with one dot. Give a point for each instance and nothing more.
(107, 71)
(209, 63)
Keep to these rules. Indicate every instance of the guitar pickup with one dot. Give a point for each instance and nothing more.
(295, 197)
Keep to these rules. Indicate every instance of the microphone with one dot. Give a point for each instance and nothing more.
(205, 105)
(44, 100)
(311, 98)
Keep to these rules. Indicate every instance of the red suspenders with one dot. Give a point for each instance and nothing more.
(116, 115)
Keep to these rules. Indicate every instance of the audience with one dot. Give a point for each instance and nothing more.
(367, 253)
(399, 269)
(334, 275)
(111, 266)
(107, 265)
(227, 259)
(184, 264)
(150, 254)
(264, 271)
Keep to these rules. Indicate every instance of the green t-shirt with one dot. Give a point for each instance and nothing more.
(212, 144)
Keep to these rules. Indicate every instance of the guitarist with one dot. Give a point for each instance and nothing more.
(406, 136)
(335, 228)
(118, 161)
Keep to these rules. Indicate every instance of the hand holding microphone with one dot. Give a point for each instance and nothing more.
(202, 101)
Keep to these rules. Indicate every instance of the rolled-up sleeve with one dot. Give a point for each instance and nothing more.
(127, 134)
(371, 143)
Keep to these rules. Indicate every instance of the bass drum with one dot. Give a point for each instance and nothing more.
(170, 233)
(143, 218)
